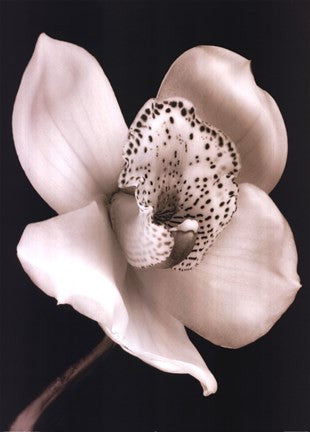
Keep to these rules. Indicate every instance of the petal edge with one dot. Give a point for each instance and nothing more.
(67, 126)
(220, 84)
(246, 282)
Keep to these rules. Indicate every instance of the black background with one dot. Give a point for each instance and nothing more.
(263, 387)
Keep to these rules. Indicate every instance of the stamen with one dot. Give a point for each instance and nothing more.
(184, 240)
(181, 169)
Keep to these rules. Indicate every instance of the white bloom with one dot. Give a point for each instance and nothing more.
(70, 136)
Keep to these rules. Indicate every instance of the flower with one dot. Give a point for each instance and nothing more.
(70, 136)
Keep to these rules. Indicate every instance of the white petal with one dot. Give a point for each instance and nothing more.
(246, 281)
(220, 84)
(159, 339)
(68, 128)
(76, 259)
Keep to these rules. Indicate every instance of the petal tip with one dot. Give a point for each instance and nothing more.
(20, 246)
(42, 41)
(43, 37)
(60, 302)
(209, 389)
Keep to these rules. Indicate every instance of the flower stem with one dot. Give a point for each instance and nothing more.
(27, 419)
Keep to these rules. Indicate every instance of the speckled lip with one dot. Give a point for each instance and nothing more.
(180, 169)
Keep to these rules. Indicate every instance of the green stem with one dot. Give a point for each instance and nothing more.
(27, 419)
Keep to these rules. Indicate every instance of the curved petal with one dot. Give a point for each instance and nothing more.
(246, 281)
(67, 125)
(220, 84)
(76, 259)
(159, 339)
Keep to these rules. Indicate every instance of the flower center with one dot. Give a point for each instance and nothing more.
(182, 171)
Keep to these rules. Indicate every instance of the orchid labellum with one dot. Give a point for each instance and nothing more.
(167, 224)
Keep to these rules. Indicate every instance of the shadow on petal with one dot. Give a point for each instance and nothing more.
(245, 283)
(75, 258)
(220, 84)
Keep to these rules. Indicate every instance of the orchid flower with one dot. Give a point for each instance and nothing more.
(167, 224)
